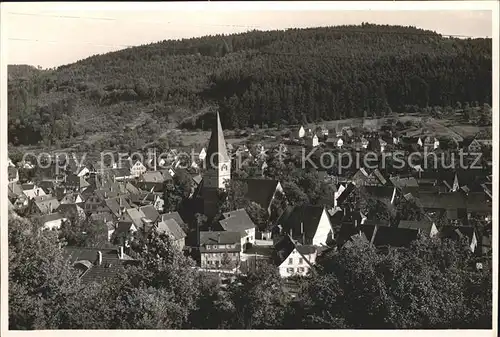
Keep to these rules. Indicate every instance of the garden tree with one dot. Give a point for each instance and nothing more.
(485, 117)
(234, 196)
(41, 281)
(177, 190)
(278, 206)
(259, 302)
(448, 143)
(360, 287)
(258, 214)
(165, 268)
(294, 194)
(310, 183)
(214, 308)
(318, 306)
(83, 232)
(409, 210)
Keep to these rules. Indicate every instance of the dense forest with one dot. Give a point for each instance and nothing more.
(258, 77)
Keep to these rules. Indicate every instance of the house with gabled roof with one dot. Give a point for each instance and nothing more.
(262, 191)
(239, 221)
(220, 250)
(307, 224)
(293, 258)
(424, 226)
(98, 264)
(44, 204)
(460, 232)
(52, 221)
(470, 145)
(301, 132)
(169, 225)
(31, 191)
(138, 169)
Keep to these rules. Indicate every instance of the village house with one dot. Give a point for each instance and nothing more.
(98, 264)
(293, 258)
(335, 142)
(306, 224)
(459, 232)
(431, 143)
(31, 191)
(262, 191)
(312, 141)
(43, 204)
(52, 221)
(301, 132)
(137, 169)
(220, 250)
(169, 225)
(470, 145)
(239, 221)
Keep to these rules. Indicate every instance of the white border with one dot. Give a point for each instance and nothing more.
(248, 6)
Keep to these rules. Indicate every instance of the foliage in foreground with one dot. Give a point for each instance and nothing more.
(431, 284)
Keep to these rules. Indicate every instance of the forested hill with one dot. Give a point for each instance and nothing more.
(254, 78)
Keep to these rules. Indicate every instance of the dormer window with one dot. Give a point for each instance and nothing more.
(224, 167)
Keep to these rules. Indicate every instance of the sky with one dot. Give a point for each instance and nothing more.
(54, 34)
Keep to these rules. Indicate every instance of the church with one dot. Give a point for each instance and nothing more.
(218, 170)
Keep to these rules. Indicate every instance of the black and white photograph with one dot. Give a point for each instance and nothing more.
(249, 166)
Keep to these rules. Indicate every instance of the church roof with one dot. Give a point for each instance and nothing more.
(217, 145)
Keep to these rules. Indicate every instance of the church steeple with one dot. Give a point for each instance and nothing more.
(217, 160)
(216, 151)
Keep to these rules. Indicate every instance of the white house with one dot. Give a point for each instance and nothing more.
(313, 141)
(203, 154)
(137, 169)
(294, 259)
(52, 221)
(306, 224)
(301, 133)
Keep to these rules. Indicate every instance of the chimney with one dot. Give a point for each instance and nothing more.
(121, 253)
(218, 237)
(99, 258)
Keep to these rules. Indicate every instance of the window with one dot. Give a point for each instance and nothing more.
(300, 270)
(289, 270)
(209, 247)
(290, 261)
(301, 260)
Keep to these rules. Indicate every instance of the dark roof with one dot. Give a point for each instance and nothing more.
(216, 148)
(455, 232)
(298, 218)
(379, 192)
(345, 194)
(116, 205)
(473, 202)
(261, 191)
(285, 247)
(85, 259)
(389, 236)
(219, 237)
(425, 225)
(237, 221)
(150, 212)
